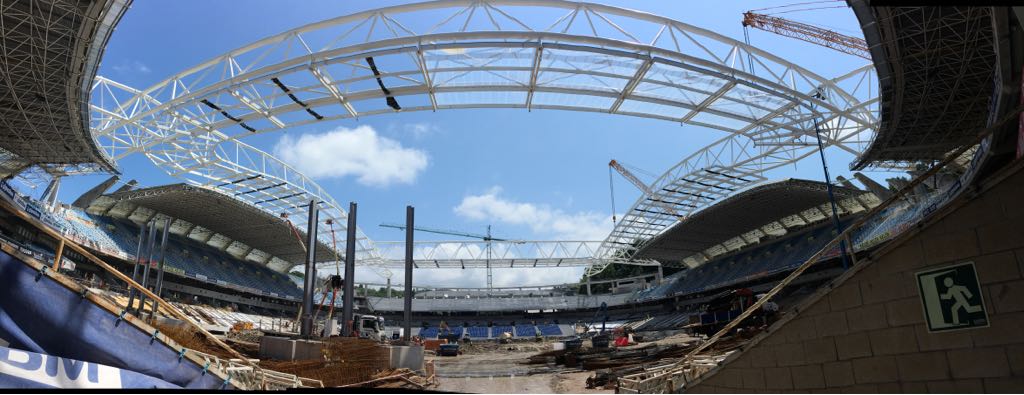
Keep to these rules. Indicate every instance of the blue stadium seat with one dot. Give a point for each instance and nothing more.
(429, 333)
(526, 330)
(477, 331)
(550, 330)
(497, 330)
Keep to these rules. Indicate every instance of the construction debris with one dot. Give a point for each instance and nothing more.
(245, 335)
(397, 378)
(345, 361)
(609, 364)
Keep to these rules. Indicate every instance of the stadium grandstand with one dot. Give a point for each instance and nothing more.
(734, 282)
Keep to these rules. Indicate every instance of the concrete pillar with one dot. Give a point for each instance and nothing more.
(588, 286)
(350, 271)
(50, 194)
(661, 275)
(309, 282)
(410, 215)
(389, 287)
(87, 198)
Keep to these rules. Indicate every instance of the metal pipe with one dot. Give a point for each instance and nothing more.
(150, 245)
(831, 197)
(135, 270)
(160, 268)
(350, 272)
(410, 216)
(306, 320)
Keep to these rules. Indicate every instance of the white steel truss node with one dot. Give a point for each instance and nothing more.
(451, 54)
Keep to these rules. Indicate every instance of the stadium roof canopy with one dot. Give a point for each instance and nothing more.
(765, 210)
(457, 54)
(235, 220)
(50, 52)
(935, 67)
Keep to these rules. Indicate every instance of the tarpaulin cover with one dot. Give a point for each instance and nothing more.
(43, 316)
(23, 369)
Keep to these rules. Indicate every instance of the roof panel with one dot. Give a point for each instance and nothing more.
(738, 214)
(935, 68)
(51, 50)
(222, 214)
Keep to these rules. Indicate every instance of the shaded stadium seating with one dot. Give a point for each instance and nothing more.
(526, 330)
(429, 332)
(477, 331)
(497, 330)
(748, 264)
(190, 257)
(665, 322)
(550, 330)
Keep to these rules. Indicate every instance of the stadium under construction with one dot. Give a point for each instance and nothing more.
(721, 277)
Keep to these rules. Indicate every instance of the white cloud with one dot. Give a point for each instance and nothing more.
(133, 66)
(361, 152)
(420, 130)
(542, 219)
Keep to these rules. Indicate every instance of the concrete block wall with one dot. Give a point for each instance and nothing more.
(868, 333)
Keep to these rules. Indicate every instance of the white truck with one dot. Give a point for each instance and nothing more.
(366, 326)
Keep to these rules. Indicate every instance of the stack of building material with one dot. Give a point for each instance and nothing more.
(345, 361)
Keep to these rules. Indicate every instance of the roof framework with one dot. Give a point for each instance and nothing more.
(744, 218)
(452, 54)
(935, 68)
(49, 53)
(503, 254)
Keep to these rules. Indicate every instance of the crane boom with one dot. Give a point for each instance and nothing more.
(487, 238)
(643, 188)
(809, 33)
(445, 232)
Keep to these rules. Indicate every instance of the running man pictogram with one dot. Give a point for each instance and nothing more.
(960, 294)
(952, 297)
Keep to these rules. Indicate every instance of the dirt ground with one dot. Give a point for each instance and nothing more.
(492, 368)
(488, 367)
(547, 383)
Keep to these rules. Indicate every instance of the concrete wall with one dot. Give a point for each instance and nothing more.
(869, 334)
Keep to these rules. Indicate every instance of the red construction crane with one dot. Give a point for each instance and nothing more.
(812, 34)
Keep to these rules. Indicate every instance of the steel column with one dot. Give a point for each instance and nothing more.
(150, 244)
(410, 215)
(159, 286)
(350, 271)
(135, 270)
(306, 321)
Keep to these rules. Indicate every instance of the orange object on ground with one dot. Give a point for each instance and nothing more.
(433, 344)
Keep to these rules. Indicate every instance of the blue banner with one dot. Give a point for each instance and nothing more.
(23, 369)
(40, 315)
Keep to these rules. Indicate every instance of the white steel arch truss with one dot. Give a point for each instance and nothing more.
(450, 54)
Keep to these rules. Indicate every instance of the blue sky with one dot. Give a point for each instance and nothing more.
(469, 165)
